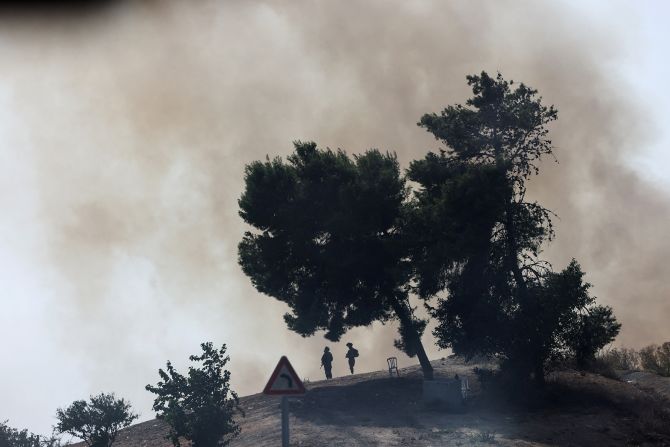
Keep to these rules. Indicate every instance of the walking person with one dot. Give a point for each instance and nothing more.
(327, 362)
(352, 353)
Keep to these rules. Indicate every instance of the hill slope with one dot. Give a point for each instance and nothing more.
(374, 410)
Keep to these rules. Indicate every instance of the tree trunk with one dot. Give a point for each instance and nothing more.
(512, 260)
(527, 305)
(405, 318)
(512, 254)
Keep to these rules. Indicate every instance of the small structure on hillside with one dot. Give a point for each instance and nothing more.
(450, 394)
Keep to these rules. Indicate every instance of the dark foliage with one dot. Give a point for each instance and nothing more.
(97, 421)
(329, 242)
(619, 358)
(656, 359)
(342, 243)
(479, 239)
(199, 407)
(12, 437)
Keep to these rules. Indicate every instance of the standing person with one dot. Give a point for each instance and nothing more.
(352, 353)
(327, 362)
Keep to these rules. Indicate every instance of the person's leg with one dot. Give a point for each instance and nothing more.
(351, 365)
(329, 374)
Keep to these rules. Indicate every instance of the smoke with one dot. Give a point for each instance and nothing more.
(136, 124)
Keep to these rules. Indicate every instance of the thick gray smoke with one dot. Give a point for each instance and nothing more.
(136, 123)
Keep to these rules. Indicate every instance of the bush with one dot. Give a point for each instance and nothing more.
(656, 359)
(620, 358)
(653, 358)
(200, 406)
(11, 437)
(603, 368)
(98, 421)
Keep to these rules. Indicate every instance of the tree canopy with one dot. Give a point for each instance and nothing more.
(328, 241)
(12, 437)
(344, 240)
(199, 407)
(480, 239)
(98, 421)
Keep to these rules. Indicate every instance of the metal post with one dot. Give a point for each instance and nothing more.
(284, 421)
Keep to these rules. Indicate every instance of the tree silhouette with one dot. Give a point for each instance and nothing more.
(478, 238)
(328, 241)
(199, 407)
(343, 243)
(97, 421)
(12, 437)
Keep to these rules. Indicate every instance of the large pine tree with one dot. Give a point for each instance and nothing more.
(478, 238)
(328, 241)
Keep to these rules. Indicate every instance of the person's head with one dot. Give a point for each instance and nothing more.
(326, 349)
(351, 345)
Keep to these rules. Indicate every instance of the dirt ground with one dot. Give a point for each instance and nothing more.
(648, 381)
(373, 409)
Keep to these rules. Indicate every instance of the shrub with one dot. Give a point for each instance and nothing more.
(656, 359)
(96, 422)
(11, 437)
(200, 406)
(620, 358)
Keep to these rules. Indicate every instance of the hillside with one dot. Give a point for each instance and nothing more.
(374, 410)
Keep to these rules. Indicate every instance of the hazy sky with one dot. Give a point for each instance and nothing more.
(124, 134)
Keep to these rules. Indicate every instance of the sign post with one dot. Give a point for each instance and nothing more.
(284, 382)
(284, 421)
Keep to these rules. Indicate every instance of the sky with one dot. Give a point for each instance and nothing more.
(124, 134)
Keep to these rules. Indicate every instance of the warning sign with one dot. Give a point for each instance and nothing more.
(284, 381)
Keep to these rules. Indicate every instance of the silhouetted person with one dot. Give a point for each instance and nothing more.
(327, 362)
(352, 353)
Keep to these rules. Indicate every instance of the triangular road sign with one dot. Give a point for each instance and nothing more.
(284, 380)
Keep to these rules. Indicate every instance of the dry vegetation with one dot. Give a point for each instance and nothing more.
(653, 358)
(578, 409)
